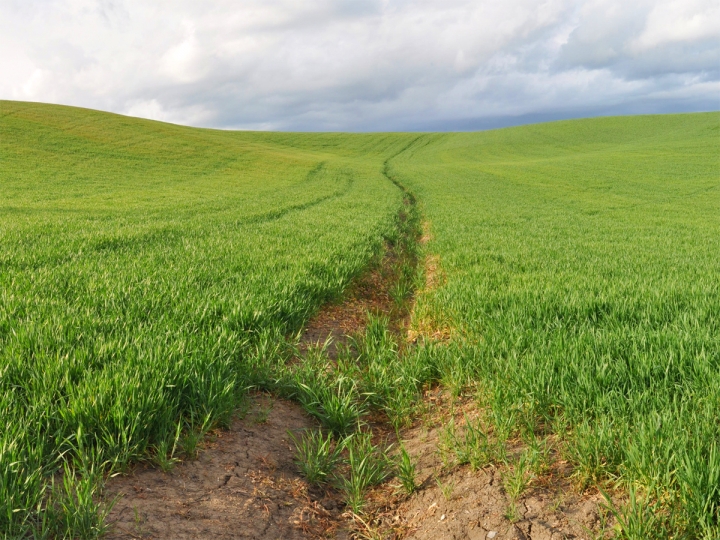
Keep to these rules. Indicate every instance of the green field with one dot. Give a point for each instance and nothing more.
(151, 273)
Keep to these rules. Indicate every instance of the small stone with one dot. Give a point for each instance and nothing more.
(492, 534)
(442, 517)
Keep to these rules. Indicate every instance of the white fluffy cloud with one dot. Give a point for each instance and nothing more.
(362, 64)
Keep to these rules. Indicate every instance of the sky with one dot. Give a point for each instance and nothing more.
(363, 65)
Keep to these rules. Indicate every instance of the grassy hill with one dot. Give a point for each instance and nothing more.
(142, 263)
(149, 273)
(582, 272)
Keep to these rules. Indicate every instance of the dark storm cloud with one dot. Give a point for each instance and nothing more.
(362, 64)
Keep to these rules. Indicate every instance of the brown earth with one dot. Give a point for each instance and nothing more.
(455, 502)
(244, 484)
(336, 323)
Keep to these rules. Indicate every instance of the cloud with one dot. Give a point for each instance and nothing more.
(645, 39)
(362, 64)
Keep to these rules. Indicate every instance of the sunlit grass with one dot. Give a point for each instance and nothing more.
(583, 277)
(150, 274)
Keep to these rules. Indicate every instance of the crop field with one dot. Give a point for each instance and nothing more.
(151, 274)
(584, 280)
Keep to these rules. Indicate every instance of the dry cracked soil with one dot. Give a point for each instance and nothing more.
(455, 502)
(244, 484)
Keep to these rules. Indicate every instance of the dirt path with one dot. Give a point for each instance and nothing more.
(337, 322)
(244, 484)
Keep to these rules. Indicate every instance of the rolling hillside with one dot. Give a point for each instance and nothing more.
(151, 273)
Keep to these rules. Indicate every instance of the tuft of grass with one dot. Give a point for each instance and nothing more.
(512, 513)
(473, 448)
(640, 518)
(335, 403)
(316, 455)
(73, 508)
(166, 448)
(446, 488)
(469, 445)
(539, 454)
(367, 465)
(261, 415)
(406, 472)
(518, 477)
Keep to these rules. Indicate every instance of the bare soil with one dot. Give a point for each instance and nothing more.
(244, 484)
(455, 502)
(337, 322)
